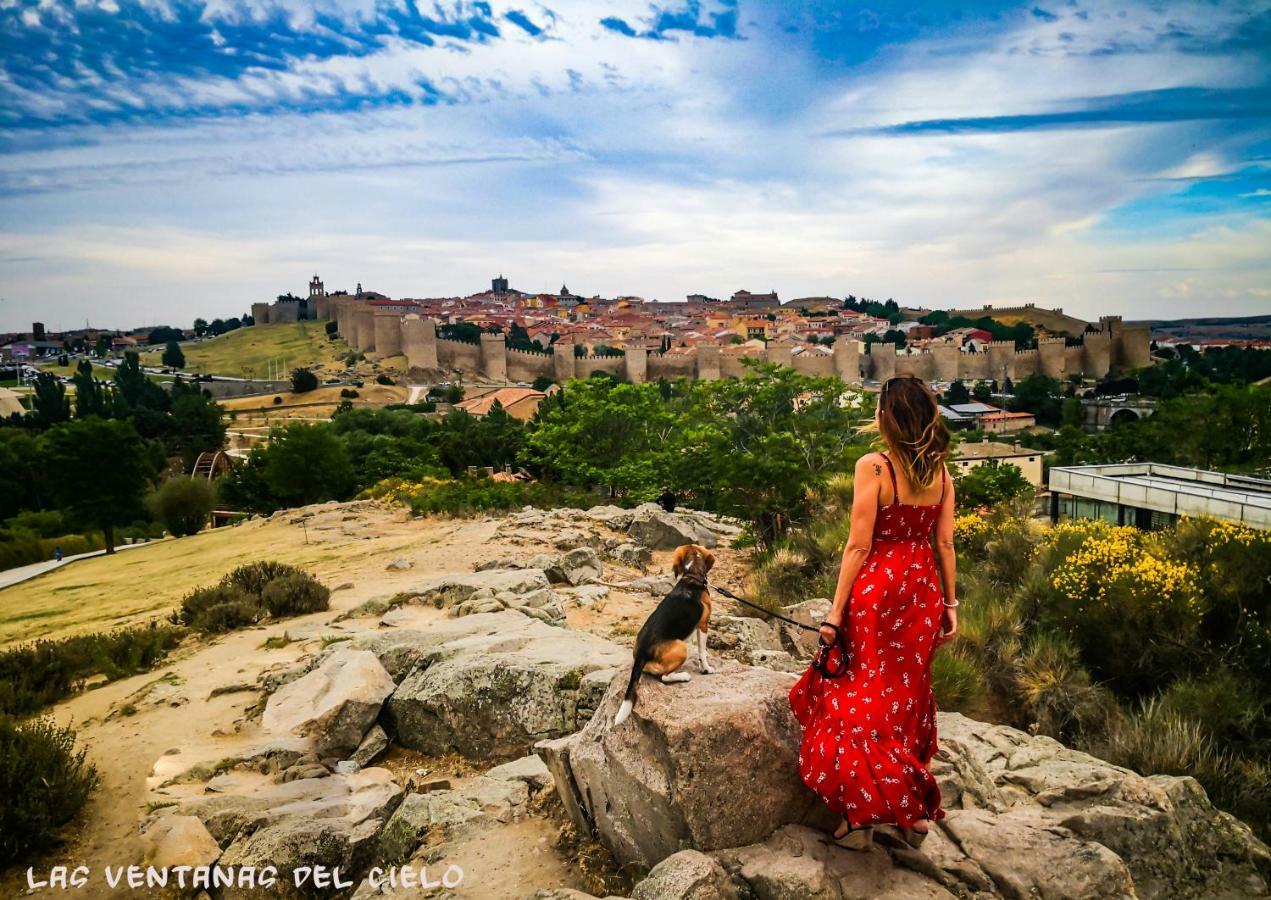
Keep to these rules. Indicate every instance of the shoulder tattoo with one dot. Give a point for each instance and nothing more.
(878, 470)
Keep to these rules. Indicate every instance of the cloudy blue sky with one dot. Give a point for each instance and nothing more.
(162, 159)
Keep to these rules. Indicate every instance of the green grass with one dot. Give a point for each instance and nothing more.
(248, 352)
(101, 373)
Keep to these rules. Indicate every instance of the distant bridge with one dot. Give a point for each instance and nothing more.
(1103, 413)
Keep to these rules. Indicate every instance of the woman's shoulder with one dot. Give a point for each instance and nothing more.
(871, 463)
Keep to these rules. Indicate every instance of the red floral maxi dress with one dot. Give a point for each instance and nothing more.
(869, 735)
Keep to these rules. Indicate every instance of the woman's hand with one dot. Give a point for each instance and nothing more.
(948, 625)
(835, 618)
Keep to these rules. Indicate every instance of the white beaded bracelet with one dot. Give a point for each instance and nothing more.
(954, 605)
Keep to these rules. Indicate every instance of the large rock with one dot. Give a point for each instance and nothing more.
(581, 566)
(335, 703)
(179, 841)
(669, 777)
(330, 821)
(660, 530)
(496, 687)
(711, 765)
(451, 590)
(687, 875)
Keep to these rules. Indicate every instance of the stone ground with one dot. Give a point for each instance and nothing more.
(197, 702)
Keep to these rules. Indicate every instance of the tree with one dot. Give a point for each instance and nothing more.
(198, 422)
(982, 392)
(98, 471)
(90, 398)
(754, 447)
(183, 504)
(302, 381)
(164, 334)
(988, 485)
(173, 356)
(1041, 396)
(102, 347)
(200, 327)
(49, 405)
(543, 382)
(306, 464)
(1072, 413)
(957, 394)
(599, 432)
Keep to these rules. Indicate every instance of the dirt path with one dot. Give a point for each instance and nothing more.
(129, 725)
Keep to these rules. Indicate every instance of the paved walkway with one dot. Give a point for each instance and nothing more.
(10, 577)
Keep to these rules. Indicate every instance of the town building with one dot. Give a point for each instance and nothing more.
(970, 456)
(518, 402)
(1152, 495)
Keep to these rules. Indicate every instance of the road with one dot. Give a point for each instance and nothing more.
(10, 577)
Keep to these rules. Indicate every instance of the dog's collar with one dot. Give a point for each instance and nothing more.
(694, 580)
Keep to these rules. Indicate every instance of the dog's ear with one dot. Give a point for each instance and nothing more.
(677, 561)
(709, 557)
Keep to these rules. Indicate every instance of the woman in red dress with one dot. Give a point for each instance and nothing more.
(869, 735)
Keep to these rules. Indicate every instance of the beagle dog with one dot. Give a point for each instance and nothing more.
(661, 646)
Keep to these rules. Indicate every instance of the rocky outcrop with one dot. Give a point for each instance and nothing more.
(331, 821)
(669, 777)
(657, 529)
(492, 685)
(711, 765)
(451, 590)
(334, 704)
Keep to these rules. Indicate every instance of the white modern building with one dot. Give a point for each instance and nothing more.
(1152, 495)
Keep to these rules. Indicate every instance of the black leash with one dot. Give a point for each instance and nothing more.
(822, 661)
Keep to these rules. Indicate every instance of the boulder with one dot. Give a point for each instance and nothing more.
(330, 821)
(711, 765)
(687, 875)
(657, 529)
(742, 636)
(400, 565)
(798, 862)
(373, 744)
(668, 777)
(179, 841)
(335, 703)
(798, 642)
(496, 687)
(614, 517)
(528, 769)
(633, 555)
(449, 590)
(580, 566)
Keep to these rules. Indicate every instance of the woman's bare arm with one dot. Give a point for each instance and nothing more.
(869, 476)
(947, 562)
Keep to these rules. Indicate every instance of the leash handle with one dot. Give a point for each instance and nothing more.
(823, 653)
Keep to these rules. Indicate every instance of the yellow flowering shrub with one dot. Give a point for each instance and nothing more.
(970, 530)
(1129, 605)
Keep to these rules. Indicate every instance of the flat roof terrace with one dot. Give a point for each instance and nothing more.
(1170, 489)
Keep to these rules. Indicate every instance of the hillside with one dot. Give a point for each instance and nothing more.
(268, 745)
(249, 352)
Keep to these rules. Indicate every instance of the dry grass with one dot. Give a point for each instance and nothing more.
(134, 586)
(247, 352)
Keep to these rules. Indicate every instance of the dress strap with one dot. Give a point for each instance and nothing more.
(944, 482)
(895, 489)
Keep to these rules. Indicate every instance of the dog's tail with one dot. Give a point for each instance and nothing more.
(628, 699)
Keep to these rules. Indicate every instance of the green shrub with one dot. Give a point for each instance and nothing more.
(44, 781)
(348, 393)
(183, 504)
(303, 381)
(229, 616)
(221, 607)
(295, 595)
(956, 681)
(250, 593)
(35, 675)
(384, 379)
(782, 578)
(253, 577)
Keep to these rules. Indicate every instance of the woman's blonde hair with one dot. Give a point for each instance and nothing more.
(910, 421)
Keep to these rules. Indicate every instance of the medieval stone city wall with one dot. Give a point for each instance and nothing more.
(1115, 346)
